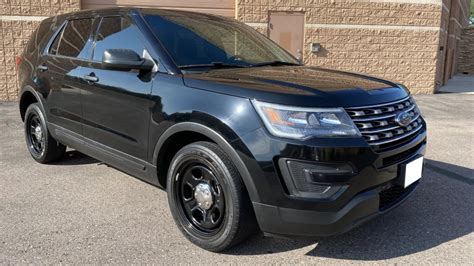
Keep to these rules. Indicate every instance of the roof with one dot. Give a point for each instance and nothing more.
(129, 10)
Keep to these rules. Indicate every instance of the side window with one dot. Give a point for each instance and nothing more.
(53, 49)
(117, 33)
(36, 38)
(74, 38)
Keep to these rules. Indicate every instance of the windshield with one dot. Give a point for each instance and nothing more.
(200, 40)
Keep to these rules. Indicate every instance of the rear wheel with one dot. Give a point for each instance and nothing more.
(42, 147)
(208, 199)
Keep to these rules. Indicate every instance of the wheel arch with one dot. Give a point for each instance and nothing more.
(202, 132)
(29, 96)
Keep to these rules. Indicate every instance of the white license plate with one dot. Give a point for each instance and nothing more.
(413, 171)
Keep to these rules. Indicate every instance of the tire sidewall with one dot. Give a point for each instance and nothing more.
(225, 233)
(34, 109)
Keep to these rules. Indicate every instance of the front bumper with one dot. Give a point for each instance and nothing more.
(373, 189)
(278, 221)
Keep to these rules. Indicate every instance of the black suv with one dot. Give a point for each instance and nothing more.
(241, 135)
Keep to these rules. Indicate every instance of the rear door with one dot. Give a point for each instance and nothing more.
(57, 70)
(117, 105)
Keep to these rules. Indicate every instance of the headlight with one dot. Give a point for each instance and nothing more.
(302, 123)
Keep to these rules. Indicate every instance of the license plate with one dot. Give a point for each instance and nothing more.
(412, 171)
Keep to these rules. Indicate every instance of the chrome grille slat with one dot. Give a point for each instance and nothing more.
(364, 125)
(372, 129)
(377, 123)
(383, 117)
(388, 135)
(378, 130)
(409, 133)
(357, 113)
(373, 118)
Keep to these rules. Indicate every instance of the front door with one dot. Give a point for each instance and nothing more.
(287, 29)
(116, 103)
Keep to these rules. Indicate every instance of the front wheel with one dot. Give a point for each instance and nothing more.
(208, 199)
(42, 147)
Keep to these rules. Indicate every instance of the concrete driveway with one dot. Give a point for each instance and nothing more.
(81, 211)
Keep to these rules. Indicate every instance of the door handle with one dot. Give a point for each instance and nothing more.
(42, 67)
(91, 78)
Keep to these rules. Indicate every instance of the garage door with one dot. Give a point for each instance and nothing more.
(217, 7)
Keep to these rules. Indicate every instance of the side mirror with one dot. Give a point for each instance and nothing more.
(125, 59)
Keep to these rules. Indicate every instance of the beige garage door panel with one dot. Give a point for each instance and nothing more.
(217, 7)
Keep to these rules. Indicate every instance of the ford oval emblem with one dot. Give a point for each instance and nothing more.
(404, 118)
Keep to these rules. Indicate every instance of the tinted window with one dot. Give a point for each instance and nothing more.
(53, 49)
(74, 38)
(203, 39)
(38, 35)
(117, 33)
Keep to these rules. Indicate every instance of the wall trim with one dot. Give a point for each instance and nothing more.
(22, 18)
(257, 24)
(373, 27)
(357, 26)
(423, 2)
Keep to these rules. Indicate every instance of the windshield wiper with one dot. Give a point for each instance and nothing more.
(275, 63)
(212, 65)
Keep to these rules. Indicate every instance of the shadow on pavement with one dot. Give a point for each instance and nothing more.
(440, 210)
(74, 157)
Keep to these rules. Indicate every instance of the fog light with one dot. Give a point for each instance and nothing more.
(314, 180)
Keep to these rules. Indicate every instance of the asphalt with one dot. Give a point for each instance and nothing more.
(82, 211)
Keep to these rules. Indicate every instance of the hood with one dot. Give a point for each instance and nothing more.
(298, 85)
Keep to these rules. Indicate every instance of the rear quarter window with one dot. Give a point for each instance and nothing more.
(37, 38)
(53, 49)
(71, 42)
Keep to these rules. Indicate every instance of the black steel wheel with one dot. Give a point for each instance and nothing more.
(208, 199)
(35, 134)
(42, 147)
(201, 197)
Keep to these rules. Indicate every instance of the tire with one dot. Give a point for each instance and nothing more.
(203, 167)
(42, 147)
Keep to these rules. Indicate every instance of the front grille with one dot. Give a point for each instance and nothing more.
(393, 195)
(377, 123)
(401, 156)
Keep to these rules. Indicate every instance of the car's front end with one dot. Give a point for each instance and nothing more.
(320, 180)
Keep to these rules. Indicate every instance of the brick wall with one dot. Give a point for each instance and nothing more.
(18, 19)
(397, 40)
(466, 52)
